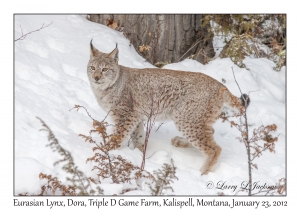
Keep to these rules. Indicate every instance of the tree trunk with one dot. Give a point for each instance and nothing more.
(164, 38)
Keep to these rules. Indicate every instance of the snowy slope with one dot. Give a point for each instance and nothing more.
(50, 78)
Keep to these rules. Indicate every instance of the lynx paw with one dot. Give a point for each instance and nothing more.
(180, 142)
(139, 146)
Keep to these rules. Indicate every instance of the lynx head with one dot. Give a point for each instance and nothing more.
(103, 69)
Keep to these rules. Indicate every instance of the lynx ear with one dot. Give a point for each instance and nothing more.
(94, 52)
(114, 54)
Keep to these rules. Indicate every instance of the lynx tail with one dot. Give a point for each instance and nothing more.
(234, 101)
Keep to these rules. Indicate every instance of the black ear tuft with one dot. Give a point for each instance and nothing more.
(114, 54)
(245, 100)
(93, 51)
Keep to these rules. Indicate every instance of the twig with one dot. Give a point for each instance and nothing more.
(248, 148)
(151, 111)
(190, 48)
(246, 138)
(23, 36)
(253, 91)
(260, 120)
(151, 155)
(258, 154)
(106, 115)
(160, 125)
(236, 81)
(78, 106)
(203, 53)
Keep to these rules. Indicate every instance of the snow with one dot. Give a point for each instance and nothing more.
(50, 78)
(23, 164)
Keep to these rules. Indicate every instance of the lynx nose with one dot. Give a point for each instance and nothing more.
(96, 78)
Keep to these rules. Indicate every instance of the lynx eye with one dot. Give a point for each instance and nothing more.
(105, 69)
(93, 68)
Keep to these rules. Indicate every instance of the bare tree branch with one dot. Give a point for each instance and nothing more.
(195, 44)
(23, 36)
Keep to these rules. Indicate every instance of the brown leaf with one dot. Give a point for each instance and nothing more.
(112, 24)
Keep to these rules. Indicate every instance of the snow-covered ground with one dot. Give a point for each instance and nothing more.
(50, 78)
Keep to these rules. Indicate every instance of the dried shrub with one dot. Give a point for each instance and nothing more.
(262, 138)
(163, 179)
(80, 182)
(109, 165)
(55, 187)
(263, 133)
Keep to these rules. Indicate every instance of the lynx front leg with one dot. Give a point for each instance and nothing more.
(181, 142)
(138, 137)
(126, 126)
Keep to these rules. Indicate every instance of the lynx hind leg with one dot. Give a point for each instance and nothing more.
(211, 152)
(206, 143)
(180, 142)
(138, 137)
(200, 136)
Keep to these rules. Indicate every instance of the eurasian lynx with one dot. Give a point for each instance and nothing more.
(192, 100)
